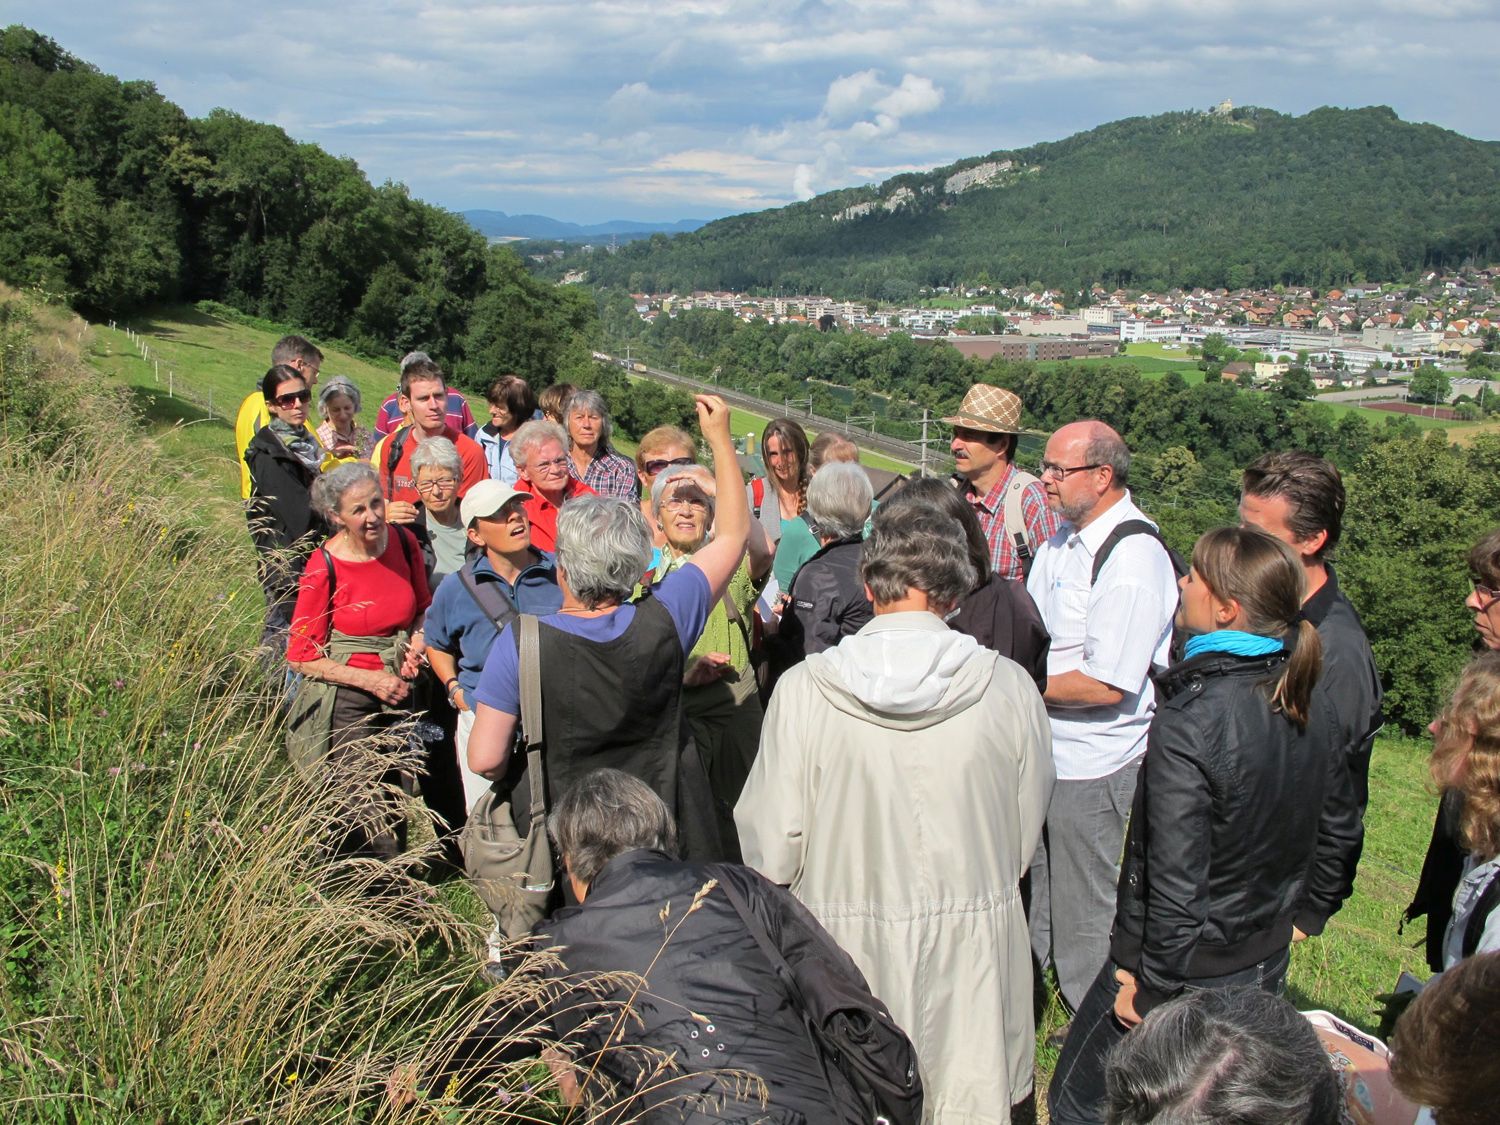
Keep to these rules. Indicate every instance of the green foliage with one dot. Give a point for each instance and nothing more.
(1430, 384)
(1254, 199)
(113, 197)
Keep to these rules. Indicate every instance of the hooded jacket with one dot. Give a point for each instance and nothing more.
(900, 790)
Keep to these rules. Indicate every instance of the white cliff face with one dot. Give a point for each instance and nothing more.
(977, 176)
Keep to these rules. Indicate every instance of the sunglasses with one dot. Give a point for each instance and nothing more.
(292, 398)
(656, 466)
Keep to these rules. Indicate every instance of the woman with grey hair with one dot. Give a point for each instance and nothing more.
(437, 468)
(1236, 1054)
(356, 639)
(900, 790)
(826, 599)
(592, 461)
(540, 451)
(624, 658)
(338, 403)
(720, 696)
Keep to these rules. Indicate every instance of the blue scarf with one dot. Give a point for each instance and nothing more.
(1233, 642)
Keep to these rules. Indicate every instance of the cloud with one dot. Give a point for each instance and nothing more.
(594, 109)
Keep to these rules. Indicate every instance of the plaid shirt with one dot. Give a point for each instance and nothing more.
(1041, 522)
(609, 474)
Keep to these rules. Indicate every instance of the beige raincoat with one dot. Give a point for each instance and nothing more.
(900, 789)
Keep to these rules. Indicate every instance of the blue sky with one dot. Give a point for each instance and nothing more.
(590, 110)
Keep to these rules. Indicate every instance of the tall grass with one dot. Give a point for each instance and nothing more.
(173, 944)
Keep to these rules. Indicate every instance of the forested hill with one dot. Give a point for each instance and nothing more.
(112, 198)
(1247, 197)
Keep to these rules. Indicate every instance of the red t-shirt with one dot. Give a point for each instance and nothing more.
(376, 598)
(398, 483)
(543, 513)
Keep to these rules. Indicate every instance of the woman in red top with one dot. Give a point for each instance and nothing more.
(540, 450)
(356, 639)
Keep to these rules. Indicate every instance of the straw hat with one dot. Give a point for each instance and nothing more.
(992, 410)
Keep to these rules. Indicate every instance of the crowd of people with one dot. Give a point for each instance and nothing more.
(923, 749)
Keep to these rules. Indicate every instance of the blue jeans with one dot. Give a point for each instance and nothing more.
(1077, 1093)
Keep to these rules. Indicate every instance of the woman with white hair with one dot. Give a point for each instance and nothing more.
(592, 461)
(720, 697)
(540, 451)
(826, 599)
(611, 669)
(899, 792)
(339, 402)
(437, 469)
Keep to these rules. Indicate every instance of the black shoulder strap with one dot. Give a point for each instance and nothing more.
(1484, 906)
(393, 447)
(1125, 529)
(333, 577)
(491, 602)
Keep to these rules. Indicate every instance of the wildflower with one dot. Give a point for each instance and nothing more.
(290, 1078)
(197, 746)
(114, 771)
(59, 873)
(117, 684)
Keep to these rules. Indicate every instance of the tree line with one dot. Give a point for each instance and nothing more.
(1253, 198)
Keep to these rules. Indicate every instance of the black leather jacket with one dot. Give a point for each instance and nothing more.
(1228, 839)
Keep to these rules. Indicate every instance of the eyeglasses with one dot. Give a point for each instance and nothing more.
(655, 467)
(682, 503)
(444, 483)
(291, 398)
(1487, 594)
(559, 463)
(1061, 472)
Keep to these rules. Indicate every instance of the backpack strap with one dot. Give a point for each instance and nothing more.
(1484, 906)
(394, 444)
(491, 602)
(757, 496)
(333, 579)
(1124, 530)
(1015, 517)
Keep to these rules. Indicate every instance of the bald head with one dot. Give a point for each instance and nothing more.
(1086, 467)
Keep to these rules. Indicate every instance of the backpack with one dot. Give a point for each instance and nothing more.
(757, 496)
(491, 602)
(1125, 529)
(848, 1025)
(1015, 519)
(1484, 906)
(394, 444)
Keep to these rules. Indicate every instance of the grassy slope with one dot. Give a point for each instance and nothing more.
(1359, 955)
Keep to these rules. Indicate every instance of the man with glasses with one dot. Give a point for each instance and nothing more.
(1299, 498)
(1107, 634)
(1011, 504)
(424, 402)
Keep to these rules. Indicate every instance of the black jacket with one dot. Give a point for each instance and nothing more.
(828, 599)
(1228, 832)
(280, 510)
(710, 997)
(1000, 615)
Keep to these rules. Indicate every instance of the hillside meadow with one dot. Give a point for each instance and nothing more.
(170, 950)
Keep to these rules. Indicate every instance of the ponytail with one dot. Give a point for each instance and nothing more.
(1292, 695)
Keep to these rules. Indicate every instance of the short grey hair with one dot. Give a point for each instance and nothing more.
(603, 548)
(594, 403)
(437, 453)
(1236, 1054)
(677, 472)
(414, 357)
(334, 386)
(533, 434)
(605, 814)
(839, 496)
(1110, 449)
(922, 550)
(328, 490)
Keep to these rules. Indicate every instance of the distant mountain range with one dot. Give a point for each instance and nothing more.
(497, 224)
(1230, 197)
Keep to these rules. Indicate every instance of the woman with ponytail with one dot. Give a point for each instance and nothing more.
(1227, 844)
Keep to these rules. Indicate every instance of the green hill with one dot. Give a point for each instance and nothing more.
(1244, 198)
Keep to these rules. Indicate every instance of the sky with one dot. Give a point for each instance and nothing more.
(591, 110)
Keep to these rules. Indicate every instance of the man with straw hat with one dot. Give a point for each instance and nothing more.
(1011, 505)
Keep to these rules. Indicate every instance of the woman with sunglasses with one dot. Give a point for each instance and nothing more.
(665, 447)
(284, 459)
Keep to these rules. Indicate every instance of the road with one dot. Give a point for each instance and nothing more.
(907, 452)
